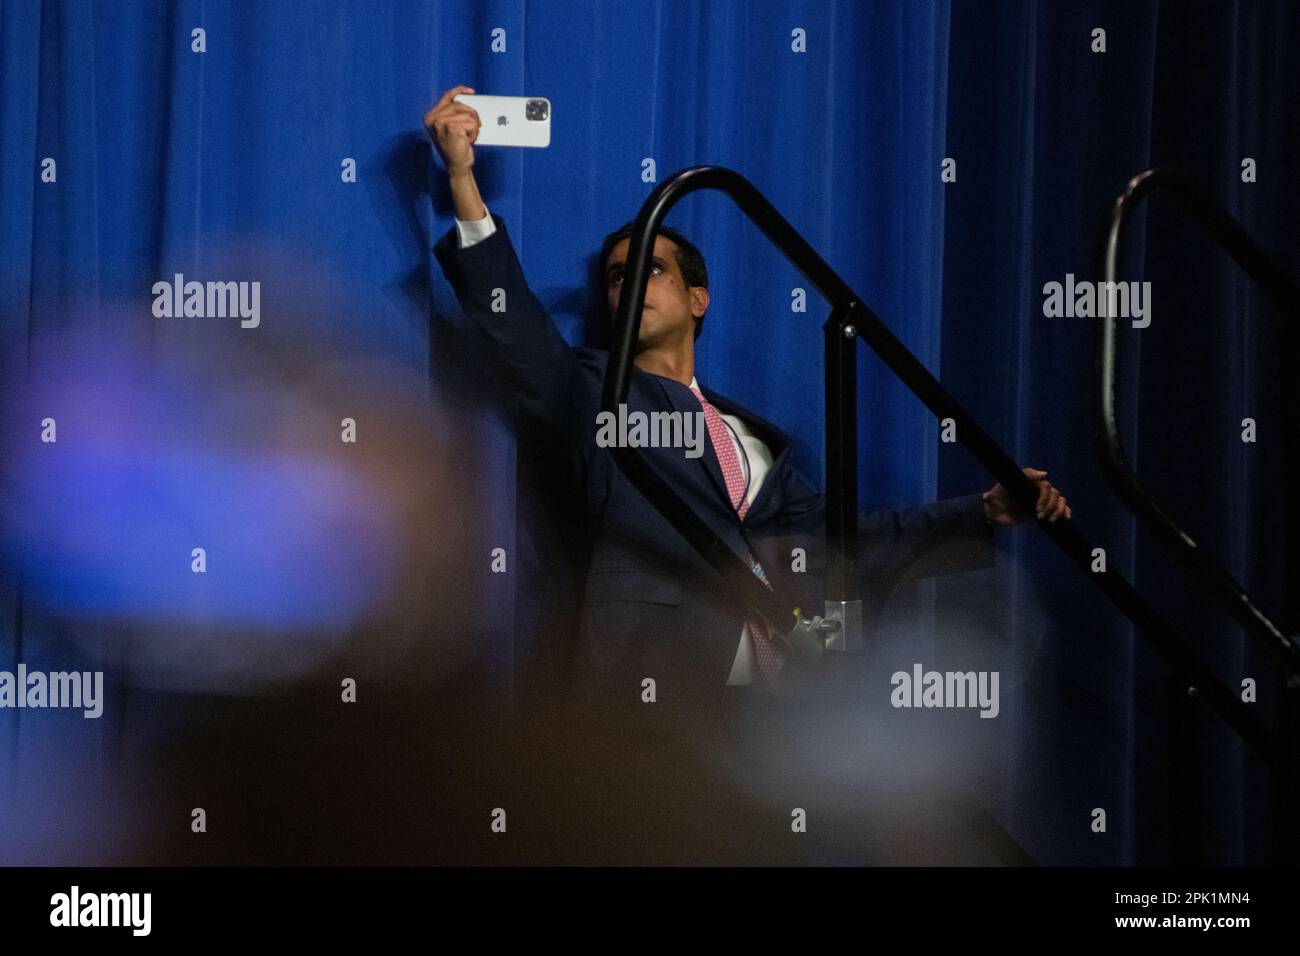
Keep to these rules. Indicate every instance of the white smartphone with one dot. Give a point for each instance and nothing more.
(510, 120)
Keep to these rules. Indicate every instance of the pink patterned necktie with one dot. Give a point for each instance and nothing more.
(770, 660)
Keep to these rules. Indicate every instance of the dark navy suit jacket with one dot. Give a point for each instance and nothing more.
(652, 607)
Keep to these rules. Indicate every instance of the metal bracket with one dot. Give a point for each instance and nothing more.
(848, 635)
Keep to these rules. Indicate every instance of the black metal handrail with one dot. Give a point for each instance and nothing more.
(1197, 201)
(854, 317)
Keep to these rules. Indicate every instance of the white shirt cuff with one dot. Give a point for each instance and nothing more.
(475, 230)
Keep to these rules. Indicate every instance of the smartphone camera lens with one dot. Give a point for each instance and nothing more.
(537, 110)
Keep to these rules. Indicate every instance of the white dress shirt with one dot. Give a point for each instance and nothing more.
(755, 460)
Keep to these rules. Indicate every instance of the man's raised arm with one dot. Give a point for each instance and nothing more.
(479, 262)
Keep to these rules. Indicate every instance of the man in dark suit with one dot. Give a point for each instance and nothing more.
(652, 607)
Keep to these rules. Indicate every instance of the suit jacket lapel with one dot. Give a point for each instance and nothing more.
(680, 399)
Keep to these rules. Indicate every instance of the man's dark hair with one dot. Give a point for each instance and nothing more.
(689, 261)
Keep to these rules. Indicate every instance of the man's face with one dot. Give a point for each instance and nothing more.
(671, 306)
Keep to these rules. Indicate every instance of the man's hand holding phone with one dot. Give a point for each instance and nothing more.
(454, 127)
